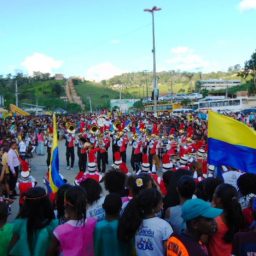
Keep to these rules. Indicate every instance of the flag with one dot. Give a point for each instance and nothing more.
(231, 143)
(55, 180)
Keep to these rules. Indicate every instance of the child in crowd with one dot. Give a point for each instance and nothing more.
(33, 227)
(244, 243)
(199, 218)
(114, 182)
(94, 199)
(186, 187)
(59, 203)
(230, 222)
(75, 237)
(139, 223)
(205, 189)
(6, 229)
(106, 241)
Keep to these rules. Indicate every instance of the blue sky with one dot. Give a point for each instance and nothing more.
(98, 39)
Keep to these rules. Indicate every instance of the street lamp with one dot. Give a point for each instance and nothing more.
(155, 84)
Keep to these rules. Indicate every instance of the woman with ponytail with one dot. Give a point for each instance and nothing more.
(140, 224)
(229, 223)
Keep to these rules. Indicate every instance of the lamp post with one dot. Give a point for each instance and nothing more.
(155, 84)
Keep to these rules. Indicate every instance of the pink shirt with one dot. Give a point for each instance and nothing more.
(76, 237)
(40, 137)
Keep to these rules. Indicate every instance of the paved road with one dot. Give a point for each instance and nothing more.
(39, 168)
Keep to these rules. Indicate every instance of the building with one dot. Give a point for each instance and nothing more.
(218, 84)
(122, 104)
(59, 77)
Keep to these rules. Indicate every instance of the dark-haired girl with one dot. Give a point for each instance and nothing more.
(229, 223)
(75, 237)
(93, 191)
(139, 222)
(32, 231)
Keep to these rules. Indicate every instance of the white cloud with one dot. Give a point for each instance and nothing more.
(40, 62)
(245, 5)
(102, 71)
(184, 58)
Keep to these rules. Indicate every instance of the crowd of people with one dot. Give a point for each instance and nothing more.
(157, 196)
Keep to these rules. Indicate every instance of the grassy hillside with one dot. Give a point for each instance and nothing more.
(47, 93)
(100, 95)
(136, 83)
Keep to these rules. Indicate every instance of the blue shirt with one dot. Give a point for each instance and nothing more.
(106, 241)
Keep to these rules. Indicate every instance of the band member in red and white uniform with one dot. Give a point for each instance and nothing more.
(107, 141)
(82, 149)
(136, 157)
(153, 150)
(101, 155)
(70, 147)
(91, 168)
(123, 146)
(25, 182)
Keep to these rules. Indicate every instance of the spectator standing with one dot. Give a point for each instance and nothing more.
(14, 164)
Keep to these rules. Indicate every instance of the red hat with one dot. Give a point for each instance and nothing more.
(50, 130)
(24, 169)
(123, 168)
(166, 163)
(117, 157)
(91, 161)
(145, 163)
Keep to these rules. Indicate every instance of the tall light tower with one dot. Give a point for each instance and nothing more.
(155, 84)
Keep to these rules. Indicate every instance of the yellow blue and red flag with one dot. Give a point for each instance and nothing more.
(231, 143)
(55, 180)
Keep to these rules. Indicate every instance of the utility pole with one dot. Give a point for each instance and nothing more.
(36, 106)
(155, 84)
(16, 93)
(90, 103)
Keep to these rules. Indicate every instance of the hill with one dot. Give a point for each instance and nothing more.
(33, 90)
(100, 95)
(139, 84)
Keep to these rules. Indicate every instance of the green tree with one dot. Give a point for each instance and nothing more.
(57, 89)
(138, 105)
(250, 69)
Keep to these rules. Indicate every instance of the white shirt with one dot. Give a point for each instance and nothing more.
(22, 147)
(13, 160)
(96, 210)
(231, 177)
(150, 237)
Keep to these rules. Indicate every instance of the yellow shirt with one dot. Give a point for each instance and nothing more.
(5, 162)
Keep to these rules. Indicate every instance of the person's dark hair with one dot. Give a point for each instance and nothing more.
(186, 186)
(12, 143)
(228, 196)
(139, 207)
(37, 209)
(171, 179)
(3, 211)
(140, 182)
(114, 182)
(112, 204)
(205, 189)
(92, 189)
(5, 148)
(246, 183)
(75, 199)
(59, 201)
